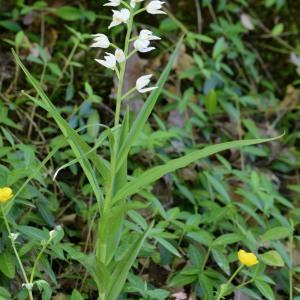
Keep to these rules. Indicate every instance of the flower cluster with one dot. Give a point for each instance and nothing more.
(141, 43)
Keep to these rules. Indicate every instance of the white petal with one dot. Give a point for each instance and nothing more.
(119, 17)
(295, 59)
(114, 23)
(146, 90)
(154, 7)
(120, 56)
(113, 3)
(142, 82)
(125, 14)
(134, 2)
(148, 49)
(100, 41)
(140, 44)
(146, 34)
(109, 62)
(247, 22)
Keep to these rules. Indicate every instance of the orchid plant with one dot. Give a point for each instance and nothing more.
(116, 248)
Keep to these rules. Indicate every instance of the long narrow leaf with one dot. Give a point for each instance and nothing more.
(157, 172)
(78, 145)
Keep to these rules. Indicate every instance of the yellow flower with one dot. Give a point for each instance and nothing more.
(6, 193)
(247, 258)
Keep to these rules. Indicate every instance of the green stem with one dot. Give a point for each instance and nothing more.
(223, 290)
(244, 283)
(205, 259)
(127, 94)
(16, 253)
(38, 259)
(291, 242)
(122, 70)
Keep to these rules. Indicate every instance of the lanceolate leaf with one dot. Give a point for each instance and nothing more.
(157, 172)
(78, 145)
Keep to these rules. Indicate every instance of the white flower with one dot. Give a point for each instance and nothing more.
(142, 45)
(154, 7)
(295, 59)
(134, 2)
(120, 56)
(27, 286)
(142, 82)
(147, 35)
(14, 236)
(119, 17)
(100, 41)
(247, 22)
(113, 3)
(52, 233)
(109, 62)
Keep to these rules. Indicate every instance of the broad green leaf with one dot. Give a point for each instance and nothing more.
(168, 246)
(146, 110)
(221, 260)
(7, 264)
(220, 47)
(278, 29)
(76, 295)
(202, 237)
(206, 284)
(276, 233)
(225, 239)
(69, 13)
(4, 293)
(265, 289)
(155, 173)
(44, 288)
(211, 102)
(33, 233)
(217, 186)
(272, 258)
(182, 280)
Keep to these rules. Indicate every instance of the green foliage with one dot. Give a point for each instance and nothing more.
(177, 216)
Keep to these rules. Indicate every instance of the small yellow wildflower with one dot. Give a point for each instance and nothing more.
(247, 258)
(6, 193)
